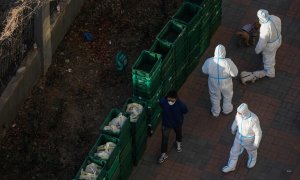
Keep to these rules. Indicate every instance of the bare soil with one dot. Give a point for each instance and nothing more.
(59, 121)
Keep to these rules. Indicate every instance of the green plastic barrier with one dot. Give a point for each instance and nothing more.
(190, 15)
(141, 122)
(102, 139)
(126, 167)
(139, 146)
(114, 172)
(175, 34)
(147, 64)
(87, 161)
(124, 135)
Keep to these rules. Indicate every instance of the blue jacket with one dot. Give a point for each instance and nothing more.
(172, 116)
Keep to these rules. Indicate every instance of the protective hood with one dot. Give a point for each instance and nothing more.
(220, 51)
(243, 110)
(263, 16)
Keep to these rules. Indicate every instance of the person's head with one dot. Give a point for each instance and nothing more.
(256, 25)
(171, 97)
(263, 16)
(243, 110)
(220, 51)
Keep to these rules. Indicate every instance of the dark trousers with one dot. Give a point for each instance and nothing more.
(165, 131)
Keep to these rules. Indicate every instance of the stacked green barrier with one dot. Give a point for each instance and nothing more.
(190, 15)
(201, 3)
(113, 173)
(140, 144)
(217, 16)
(155, 120)
(87, 161)
(168, 64)
(138, 130)
(152, 109)
(103, 138)
(212, 12)
(141, 121)
(146, 75)
(124, 135)
(194, 58)
(175, 34)
(126, 161)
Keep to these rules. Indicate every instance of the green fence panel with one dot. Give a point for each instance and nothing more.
(194, 54)
(139, 148)
(126, 167)
(193, 62)
(142, 120)
(154, 121)
(147, 64)
(113, 173)
(190, 15)
(146, 75)
(200, 3)
(124, 135)
(103, 139)
(168, 84)
(145, 87)
(215, 22)
(127, 150)
(87, 161)
(166, 51)
(175, 34)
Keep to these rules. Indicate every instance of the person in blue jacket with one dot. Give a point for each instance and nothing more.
(173, 110)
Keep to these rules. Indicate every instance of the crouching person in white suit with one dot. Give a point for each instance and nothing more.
(268, 43)
(248, 135)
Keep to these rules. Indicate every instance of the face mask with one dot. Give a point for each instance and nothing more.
(171, 103)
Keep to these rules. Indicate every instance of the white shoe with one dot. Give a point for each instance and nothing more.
(162, 158)
(251, 163)
(227, 169)
(178, 146)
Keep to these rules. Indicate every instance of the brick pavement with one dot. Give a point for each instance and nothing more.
(207, 140)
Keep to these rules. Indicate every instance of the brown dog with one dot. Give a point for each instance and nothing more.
(248, 34)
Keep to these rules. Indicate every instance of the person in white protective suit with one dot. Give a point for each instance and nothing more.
(248, 135)
(220, 71)
(268, 43)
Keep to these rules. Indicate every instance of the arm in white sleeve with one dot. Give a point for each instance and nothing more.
(258, 133)
(233, 70)
(263, 39)
(234, 126)
(205, 67)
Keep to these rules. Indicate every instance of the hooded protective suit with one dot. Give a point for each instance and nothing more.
(269, 41)
(220, 71)
(248, 135)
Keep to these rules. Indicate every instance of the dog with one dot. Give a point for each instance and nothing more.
(248, 34)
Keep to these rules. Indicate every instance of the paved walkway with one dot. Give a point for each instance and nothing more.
(207, 140)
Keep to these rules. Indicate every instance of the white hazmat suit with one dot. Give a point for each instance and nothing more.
(248, 135)
(220, 71)
(268, 43)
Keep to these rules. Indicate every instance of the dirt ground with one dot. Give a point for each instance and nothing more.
(59, 121)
